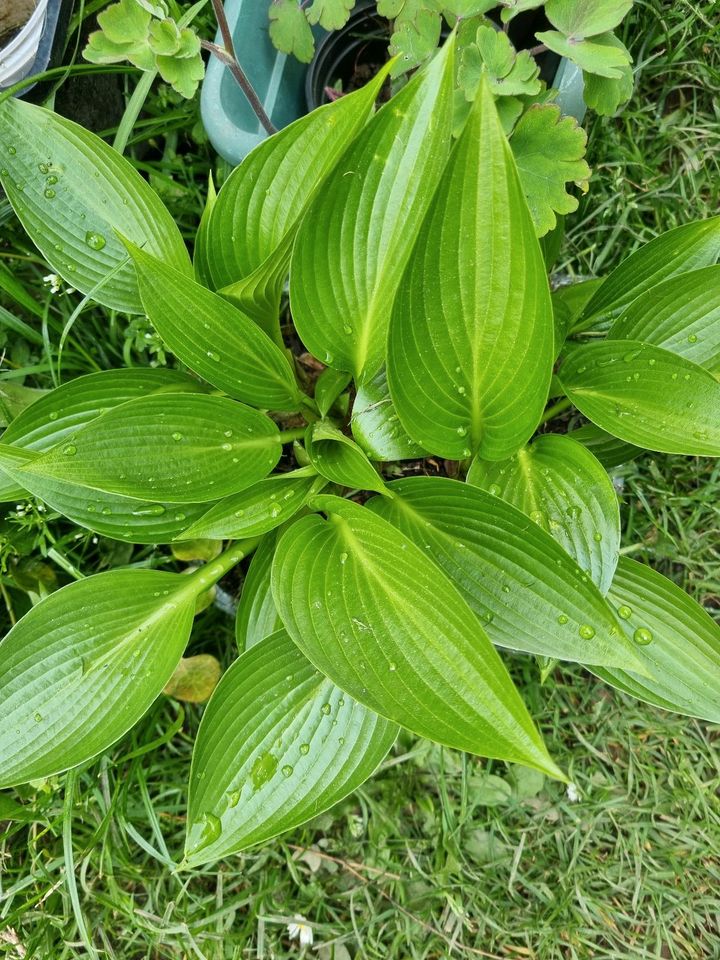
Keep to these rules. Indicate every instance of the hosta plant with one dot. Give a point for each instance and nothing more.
(412, 513)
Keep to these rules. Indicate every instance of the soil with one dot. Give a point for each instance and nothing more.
(14, 14)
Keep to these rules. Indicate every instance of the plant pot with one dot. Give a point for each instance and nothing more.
(37, 46)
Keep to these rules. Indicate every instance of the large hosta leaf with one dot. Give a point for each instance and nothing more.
(71, 192)
(527, 592)
(176, 448)
(685, 248)
(470, 349)
(375, 614)
(561, 486)
(376, 425)
(257, 615)
(682, 315)
(214, 338)
(340, 459)
(83, 666)
(278, 744)
(677, 641)
(353, 244)
(606, 448)
(645, 395)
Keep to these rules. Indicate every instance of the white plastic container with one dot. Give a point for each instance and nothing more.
(18, 57)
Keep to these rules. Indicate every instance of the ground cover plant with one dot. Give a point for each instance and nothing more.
(208, 825)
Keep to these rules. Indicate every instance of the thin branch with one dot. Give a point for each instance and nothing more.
(536, 51)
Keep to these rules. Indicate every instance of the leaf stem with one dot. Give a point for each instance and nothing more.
(555, 409)
(289, 436)
(536, 51)
(211, 572)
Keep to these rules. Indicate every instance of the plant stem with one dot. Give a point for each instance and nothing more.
(132, 110)
(213, 571)
(226, 54)
(288, 436)
(555, 409)
(536, 51)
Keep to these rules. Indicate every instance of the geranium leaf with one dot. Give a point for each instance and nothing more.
(560, 485)
(341, 309)
(549, 151)
(291, 744)
(257, 615)
(290, 30)
(414, 41)
(376, 615)
(676, 639)
(586, 18)
(511, 8)
(524, 588)
(376, 425)
(471, 339)
(599, 56)
(645, 395)
(182, 73)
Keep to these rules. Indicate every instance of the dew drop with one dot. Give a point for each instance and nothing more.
(51, 180)
(562, 618)
(597, 536)
(179, 516)
(287, 770)
(70, 450)
(461, 431)
(347, 329)
(624, 612)
(43, 167)
(213, 356)
(177, 436)
(692, 338)
(494, 490)
(304, 749)
(227, 446)
(151, 510)
(234, 798)
(37, 717)
(325, 709)
(228, 433)
(586, 631)
(49, 194)
(642, 636)
(343, 558)
(106, 511)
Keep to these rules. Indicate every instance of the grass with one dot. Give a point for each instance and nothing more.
(440, 855)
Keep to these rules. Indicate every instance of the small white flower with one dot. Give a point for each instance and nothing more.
(300, 930)
(55, 283)
(572, 793)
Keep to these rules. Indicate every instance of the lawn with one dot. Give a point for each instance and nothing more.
(441, 854)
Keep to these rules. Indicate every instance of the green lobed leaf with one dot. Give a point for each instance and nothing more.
(510, 74)
(176, 448)
(414, 41)
(258, 509)
(339, 459)
(559, 484)
(278, 744)
(586, 18)
(645, 395)
(376, 425)
(214, 338)
(471, 339)
(83, 665)
(681, 314)
(183, 73)
(597, 56)
(604, 94)
(290, 30)
(375, 614)
(676, 639)
(257, 615)
(71, 192)
(524, 588)
(610, 451)
(549, 151)
(356, 238)
(330, 14)
(511, 8)
(690, 247)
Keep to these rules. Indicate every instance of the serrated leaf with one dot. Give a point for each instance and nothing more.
(586, 18)
(182, 73)
(414, 41)
(470, 347)
(125, 22)
(330, 14)
(176, 448)
(681, 314)
(679, 643)
(100, 49)
(610, 451)
(509, 73)
(292, 745)
(376, 615)
(214, 338)
(523, 587)
(560, 485)
(376, 425)
(690, 247)
(194, 678)
(164, 37)
(645, 395)
(603, 94)
(599, 55)
(257, 615)
(339, 459)
(259, 509)
(549, 151)
(71, 192)
(362, 225)
(290, 30)
(84, 665)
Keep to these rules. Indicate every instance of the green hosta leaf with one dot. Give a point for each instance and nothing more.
(14, 398)
(340, 459)
(122, 518)
(569, 301)
(560, 485)
(414, 41)
(178, 448)
(290, 30)
(610, 451)
(678, 642)
(201, 260)
(85, 664)
(378, 617)
(362, 225)
(257, 615)
(603, 94)
(291, 744)
(214, 338)
(685, 248)
(328, 388)
(549, 151)
(330, 14)
(599, 55)
(646, 396)
(71, 192)
(510, 74)
(682, 315)
(376, 425)
(258, 209)
(260, 508)
(586, 18)
(525, 589)
(471, 339)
